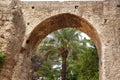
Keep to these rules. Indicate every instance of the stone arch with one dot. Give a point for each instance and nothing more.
(62, 21)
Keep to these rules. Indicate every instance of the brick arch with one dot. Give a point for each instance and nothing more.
(62, 21)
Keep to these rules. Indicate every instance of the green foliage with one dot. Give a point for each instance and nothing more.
(88, 62)
(47, 71)
(85, 67)
(2, 58)
(82, 61)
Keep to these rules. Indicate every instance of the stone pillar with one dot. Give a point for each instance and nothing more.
(110, 39)
(12, 30)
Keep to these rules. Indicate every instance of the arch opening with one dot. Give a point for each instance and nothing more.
(81, 52)
(65, 20)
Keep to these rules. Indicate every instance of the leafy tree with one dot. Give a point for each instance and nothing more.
(78, 57)
(48, 72)
(85, 67)
(61, 44)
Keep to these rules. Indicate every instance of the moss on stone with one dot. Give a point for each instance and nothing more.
(2, 59)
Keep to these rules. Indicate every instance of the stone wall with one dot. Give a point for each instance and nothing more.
(103, 16)
(37, 12)
(111, 41)
(17, 18)
(12, 30)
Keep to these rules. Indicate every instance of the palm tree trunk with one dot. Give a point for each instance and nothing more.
(64, 54)
(63, 68)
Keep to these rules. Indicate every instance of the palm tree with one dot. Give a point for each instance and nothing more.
(64, 43)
